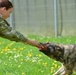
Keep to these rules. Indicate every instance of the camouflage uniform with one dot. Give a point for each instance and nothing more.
(9, 33)
(66, 54)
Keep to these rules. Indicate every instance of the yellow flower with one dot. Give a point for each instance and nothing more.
(39, 55)
(22, 60)
(58, 66)
(22, 48)
(55, 61)
(23, 73)
(19, 54)
(52, 70)
(45, 64)
(10, 57)
(19, 66)
(1, 52)
(29, 54)
(14, 49)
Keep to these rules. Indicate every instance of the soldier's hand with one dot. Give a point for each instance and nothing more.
(42, 46)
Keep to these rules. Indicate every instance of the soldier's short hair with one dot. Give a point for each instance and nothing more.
(6, 3)
(3, 0)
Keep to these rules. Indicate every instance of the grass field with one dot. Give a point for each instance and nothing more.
(20, 59)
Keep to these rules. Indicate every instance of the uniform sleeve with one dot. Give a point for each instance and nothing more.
(9, 33)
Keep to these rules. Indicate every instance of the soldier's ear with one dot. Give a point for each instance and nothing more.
(3, 8)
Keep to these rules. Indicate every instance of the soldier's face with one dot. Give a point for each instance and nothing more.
(6, 13)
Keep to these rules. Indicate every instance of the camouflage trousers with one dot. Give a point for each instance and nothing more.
(69, 61)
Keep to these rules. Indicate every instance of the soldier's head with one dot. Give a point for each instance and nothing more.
(6, 8)
(3, 0)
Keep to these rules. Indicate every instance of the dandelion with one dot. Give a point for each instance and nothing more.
(14, 49)
(45, 64)
(52, 70)
(19, 66)
(55, 61)
(10, 57)
(22, 60)
(22, 48)
(23, 73)
(58, 66)
(54, 64)
(1, 52)
(39, 55)
(6, 48)
(29, 54)
(33, 60)
(19, 54)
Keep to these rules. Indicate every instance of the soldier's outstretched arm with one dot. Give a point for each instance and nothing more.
(9, 33)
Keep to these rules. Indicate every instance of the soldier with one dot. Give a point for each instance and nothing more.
(8, 32)
(66, 54)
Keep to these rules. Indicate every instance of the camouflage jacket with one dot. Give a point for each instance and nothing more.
(9, 33)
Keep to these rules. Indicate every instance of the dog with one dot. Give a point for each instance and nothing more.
(66, 54)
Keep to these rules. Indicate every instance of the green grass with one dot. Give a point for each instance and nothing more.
(20, 59)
